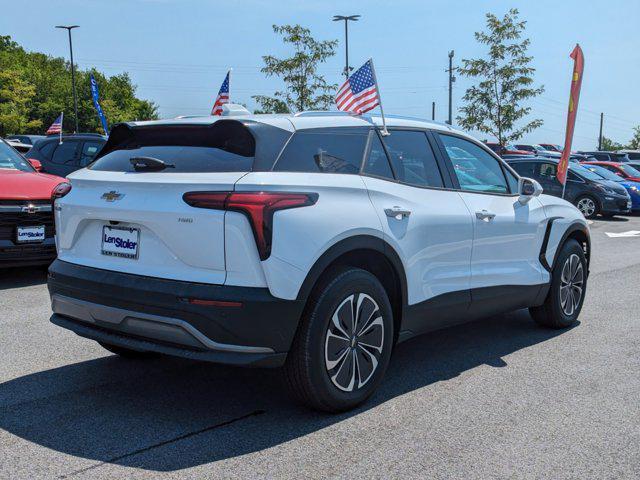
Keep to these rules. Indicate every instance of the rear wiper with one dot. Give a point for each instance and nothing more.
(149, 163)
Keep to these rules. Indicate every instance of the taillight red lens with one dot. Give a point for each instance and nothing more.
(60, 191)
(259, 208)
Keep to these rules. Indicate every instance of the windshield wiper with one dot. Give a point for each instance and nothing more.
(149, 163)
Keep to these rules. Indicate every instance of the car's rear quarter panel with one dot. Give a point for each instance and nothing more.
(302, 235)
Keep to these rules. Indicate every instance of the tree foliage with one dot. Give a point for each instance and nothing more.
(305, 89)
(634, 143)
(504, 80)
(610, 145)
(35, 88)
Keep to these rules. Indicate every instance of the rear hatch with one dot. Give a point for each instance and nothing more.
(126, 212)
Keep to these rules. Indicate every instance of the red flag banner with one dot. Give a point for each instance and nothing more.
(574, 96)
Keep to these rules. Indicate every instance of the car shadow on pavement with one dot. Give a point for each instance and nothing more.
(168, 414)
(22, 277)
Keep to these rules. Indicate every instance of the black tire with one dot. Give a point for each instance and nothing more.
(582, 201)
(127, 352)
(318, 343)
(553, 313)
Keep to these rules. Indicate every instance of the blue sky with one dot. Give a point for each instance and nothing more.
(177, 52)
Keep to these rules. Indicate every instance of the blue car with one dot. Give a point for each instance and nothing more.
(632, 187)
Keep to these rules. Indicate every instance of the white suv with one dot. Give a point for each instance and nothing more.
(309, 241)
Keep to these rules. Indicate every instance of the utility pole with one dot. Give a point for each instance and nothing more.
(600, 136)
(73, 73)
(433, 110)
(451, 80)
(346, 19)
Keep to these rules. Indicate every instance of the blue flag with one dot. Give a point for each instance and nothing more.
(96, 103)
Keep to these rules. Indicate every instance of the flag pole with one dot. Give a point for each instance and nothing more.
(384, 132)
(229, 73)
(61, 122)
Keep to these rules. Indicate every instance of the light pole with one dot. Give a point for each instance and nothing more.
(346, 19)
(73, 73)
(451, 80)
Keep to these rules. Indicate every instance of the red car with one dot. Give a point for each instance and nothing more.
(505, 149)
(26, 210)
(622, 169)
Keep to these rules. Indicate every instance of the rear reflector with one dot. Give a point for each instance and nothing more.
(212, 303)
(259, 208)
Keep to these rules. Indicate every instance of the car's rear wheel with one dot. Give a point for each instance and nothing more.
(127, 352)
(566, 293)
(588, 206)
(344, 342)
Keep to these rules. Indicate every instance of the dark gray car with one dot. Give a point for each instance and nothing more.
(587, 190)
(74, 152)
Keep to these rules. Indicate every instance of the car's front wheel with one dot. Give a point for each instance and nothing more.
(588, 206)
(344, 342)
(567, 290)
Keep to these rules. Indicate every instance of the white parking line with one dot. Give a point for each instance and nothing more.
(630, 233)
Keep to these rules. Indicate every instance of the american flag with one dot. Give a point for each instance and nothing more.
(222, 98)
(56, 126)
(359, 93)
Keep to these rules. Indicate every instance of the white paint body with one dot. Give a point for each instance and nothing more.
(444, 247)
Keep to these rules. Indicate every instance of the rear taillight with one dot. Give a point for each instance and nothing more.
(259, 208)
(60, 191)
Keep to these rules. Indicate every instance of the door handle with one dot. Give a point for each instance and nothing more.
(397, 212)
(485, 215)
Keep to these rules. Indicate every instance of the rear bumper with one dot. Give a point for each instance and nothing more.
(151, 314)
(17, 255)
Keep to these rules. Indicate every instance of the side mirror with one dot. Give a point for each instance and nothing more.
(528, 188)
(35, 164)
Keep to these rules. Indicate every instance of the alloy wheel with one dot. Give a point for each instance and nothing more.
(571, 284)
(587, 206)
(354, 342)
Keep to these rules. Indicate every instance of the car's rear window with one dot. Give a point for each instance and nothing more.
(225, 146)
(324, 150)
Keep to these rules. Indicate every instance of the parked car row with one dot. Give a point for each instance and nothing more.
(590, 191)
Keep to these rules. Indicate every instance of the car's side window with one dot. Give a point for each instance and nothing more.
(524, 169)
(65, 153)
(47, 149)
(547, 170)
(511, 180)
(413, 159)
(475, 168)
(377, 163)
(324, 150)
(89, 151)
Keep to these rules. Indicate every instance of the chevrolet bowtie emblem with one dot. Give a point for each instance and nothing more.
(30, 209)
(112, 196)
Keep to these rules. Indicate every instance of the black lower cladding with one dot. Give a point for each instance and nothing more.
(20, 255)
(463, 306)
(262, 320)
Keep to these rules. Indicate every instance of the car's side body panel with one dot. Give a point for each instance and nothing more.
(302, 235)
(434, 241)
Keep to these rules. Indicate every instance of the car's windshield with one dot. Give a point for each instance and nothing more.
(629, 170)
(603, 172)
(584, 172)
(12, 160)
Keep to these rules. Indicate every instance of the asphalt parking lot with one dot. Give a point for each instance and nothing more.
(497, 398)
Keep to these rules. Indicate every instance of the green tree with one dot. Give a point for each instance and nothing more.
(15, 95)
(634, 143)
(610, 145)
(305, 88)
(37, 87)
(504, 80)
